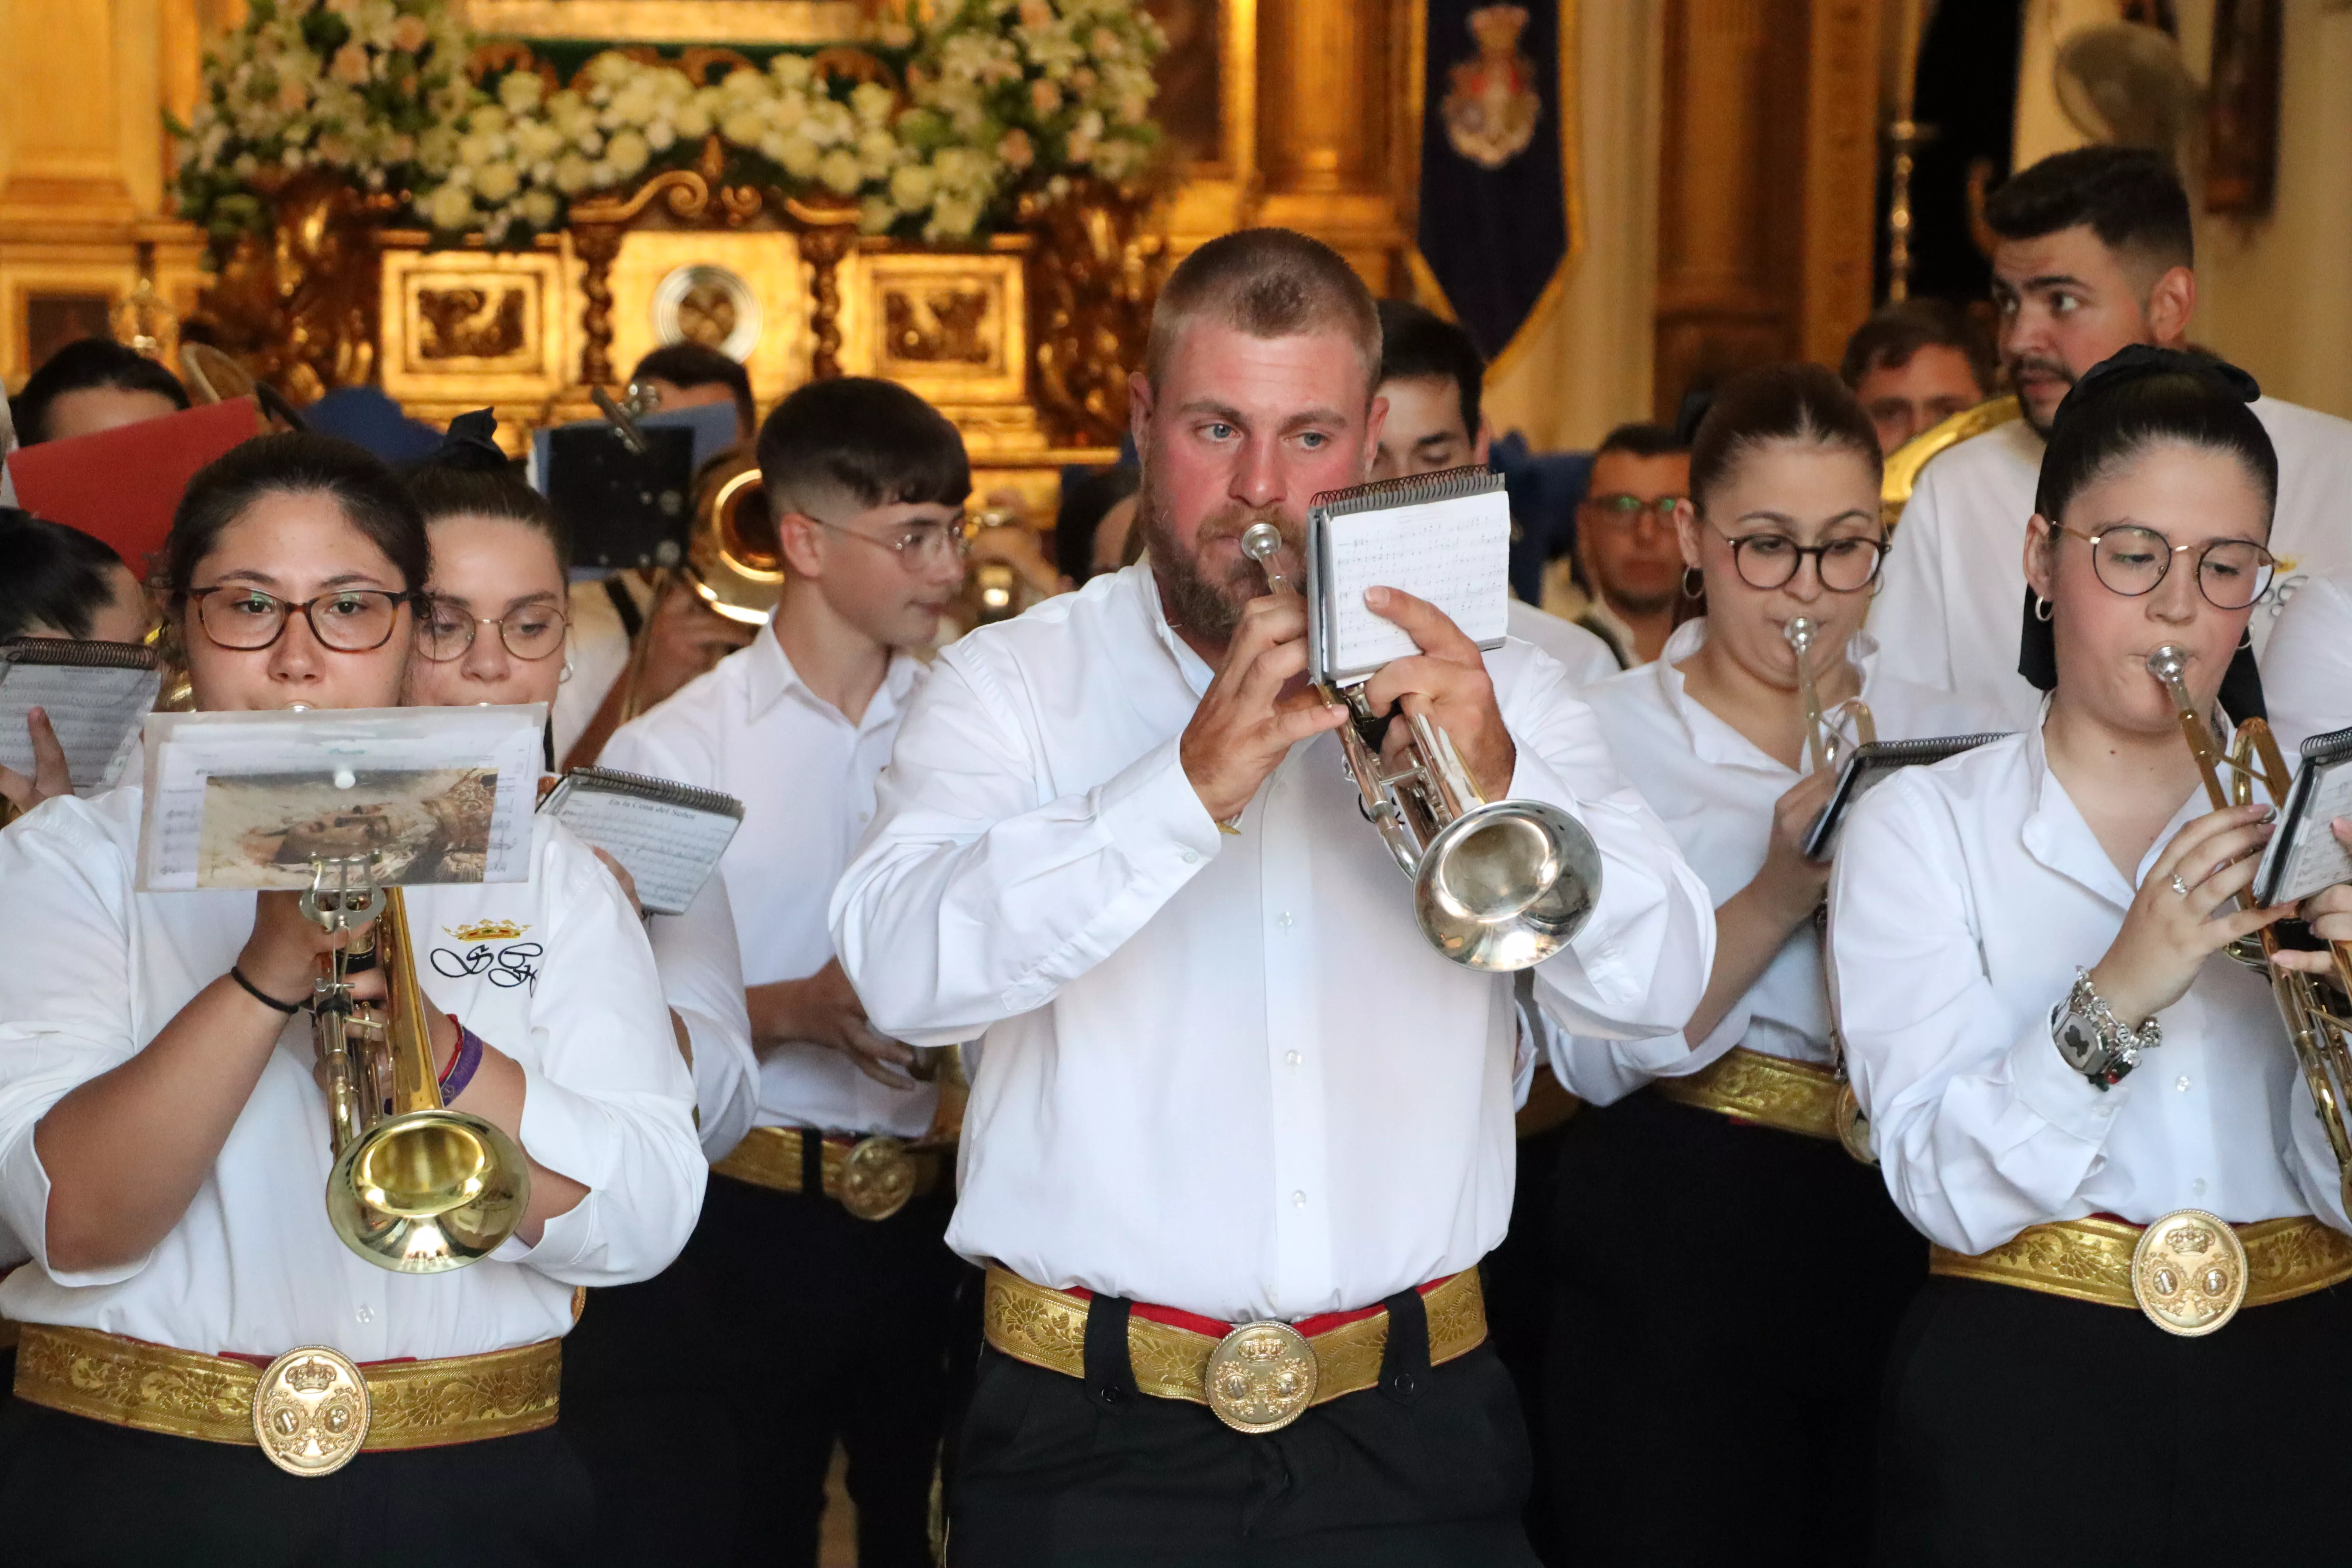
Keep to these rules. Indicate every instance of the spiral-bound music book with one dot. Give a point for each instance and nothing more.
(95, 694)
(1873, 765)
(2303, 855)
(669, 836)
(1444, 537)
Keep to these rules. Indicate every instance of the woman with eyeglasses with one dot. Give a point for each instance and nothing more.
(1743, 1271)
(163, 1140)
(494, 630)
(2083, 1100)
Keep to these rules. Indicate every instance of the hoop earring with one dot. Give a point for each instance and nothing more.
(1691, 590)
(2041, 608)
(566, 675)
(2246, 638)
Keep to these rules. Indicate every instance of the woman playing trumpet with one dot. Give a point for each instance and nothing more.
(163, 1143)
(1727, 1173)
(2079, 1095)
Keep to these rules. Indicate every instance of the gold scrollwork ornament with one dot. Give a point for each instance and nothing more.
(2188, 1273)
(1261, 1376)
(878, 1177)
(311, 1411)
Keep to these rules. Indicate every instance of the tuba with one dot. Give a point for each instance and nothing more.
(1825, 746)
(416, 1188)
(1497, 885)
(733, 560)
(2308, 1004)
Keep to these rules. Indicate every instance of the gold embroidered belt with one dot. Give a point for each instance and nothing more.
(309, 1410)
(1257, 1377)
(873, 1178)
(1795, 1097)
(2189, 1271)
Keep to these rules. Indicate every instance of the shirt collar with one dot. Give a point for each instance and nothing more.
(1139, 581)
(769, 677)
(2057, 835)
(1712, 740)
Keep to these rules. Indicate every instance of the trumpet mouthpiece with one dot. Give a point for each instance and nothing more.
(2167, 663)
(1799, 633)
(1260, 540)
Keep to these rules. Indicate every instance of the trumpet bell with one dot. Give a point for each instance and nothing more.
(1506, 884)
(737, 566)
(428, 1191)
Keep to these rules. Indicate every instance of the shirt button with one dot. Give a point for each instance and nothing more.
(2181, 1083)
(367, 1314)
(1285, 922)
(2197, 1186)
(1191, 856)
(1294, 1059)
(1298, 1200)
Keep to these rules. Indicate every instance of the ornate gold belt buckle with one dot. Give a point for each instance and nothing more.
(1261, 1376)
(2188, 1273)
(1854, 1126)
(311, 1411)
(877, 1178)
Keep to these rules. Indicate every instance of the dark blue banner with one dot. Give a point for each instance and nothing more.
(1494, 171)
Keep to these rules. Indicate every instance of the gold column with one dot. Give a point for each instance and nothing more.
(1330, 77)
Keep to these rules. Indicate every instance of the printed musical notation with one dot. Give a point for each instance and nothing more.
(94, 707)
(669, 836)
(1454, 552)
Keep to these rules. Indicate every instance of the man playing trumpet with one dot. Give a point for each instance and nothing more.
(1238, 1135)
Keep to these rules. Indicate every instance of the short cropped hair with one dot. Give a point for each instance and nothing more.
(856, 443)
(1773, 404)
(1897, 331)
(1419, 344)
(1267, 283)
(1642, 440)
(51, 575)
(2130, 197)
(685, 365)
(82, 367)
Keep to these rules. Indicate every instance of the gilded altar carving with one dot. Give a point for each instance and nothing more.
(299, 305)
(469, 324)
(933, 325)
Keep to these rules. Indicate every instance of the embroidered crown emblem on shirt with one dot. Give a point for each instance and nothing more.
(487, 930)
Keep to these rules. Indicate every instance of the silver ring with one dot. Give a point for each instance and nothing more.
(2179, 886)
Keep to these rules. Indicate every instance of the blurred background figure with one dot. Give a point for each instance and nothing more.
(1628, 560)
(1916, 364)
(94, 384)
(58, 581)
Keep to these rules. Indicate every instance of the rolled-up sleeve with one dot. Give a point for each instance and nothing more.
(1639, 967)
(702, 979)
(65, 1010)
(608, 1102)
(1982, 1128)
(972, 900)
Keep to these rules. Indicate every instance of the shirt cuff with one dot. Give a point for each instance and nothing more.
(1152, 799)
(2056, 1092)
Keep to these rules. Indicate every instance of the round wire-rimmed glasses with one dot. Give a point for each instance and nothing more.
(919, 542)
(446, 631)
(2131, 559)
(349, 620)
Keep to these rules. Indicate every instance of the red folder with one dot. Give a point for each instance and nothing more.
(122, 485)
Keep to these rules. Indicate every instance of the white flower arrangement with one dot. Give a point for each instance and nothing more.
(1002, 96)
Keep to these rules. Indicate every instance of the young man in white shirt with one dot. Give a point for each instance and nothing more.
(2095, 253)
(821, 1234)
(1224, 1079)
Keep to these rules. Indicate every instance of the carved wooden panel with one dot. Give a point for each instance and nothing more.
(472, 326)
(952, 327)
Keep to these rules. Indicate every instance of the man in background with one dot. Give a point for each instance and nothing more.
(688, 375)
(1916, 364)
(94, 384)
(1626, 552)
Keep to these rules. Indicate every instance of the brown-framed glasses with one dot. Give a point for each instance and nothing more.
(1772, 560)
(2132, 559)
(349, 620)
(447, 629)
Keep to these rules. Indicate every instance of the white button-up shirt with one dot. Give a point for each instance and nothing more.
(1716, 792)
(94, 970)
(1223, 1073)
(1951, 613)
(805, 777)
(702, 979)
(1965, 897)
(2307, 667)
(1585, 656)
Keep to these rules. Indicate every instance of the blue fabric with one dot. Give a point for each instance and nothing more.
(365, 417)
(1545, 488)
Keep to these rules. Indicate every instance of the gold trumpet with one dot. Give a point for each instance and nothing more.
(2308, 1004)
(1499, 884)
(416, 1188)
(1824, 743)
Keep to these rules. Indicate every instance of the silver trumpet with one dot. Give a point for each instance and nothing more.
(1497, 885)
(1824, 745)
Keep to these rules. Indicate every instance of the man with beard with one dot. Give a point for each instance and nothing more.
(1239, 1135)
(2095, 254)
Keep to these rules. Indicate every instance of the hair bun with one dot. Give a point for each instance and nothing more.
(2138, 362)
(470, 445)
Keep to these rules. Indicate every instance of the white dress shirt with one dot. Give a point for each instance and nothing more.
(805, 777)
(2307, 667)
(1583, 654)
(95, 971)
(1951, 613)
(702, 979)
(1225, 1073)
(1965, 897)
(1715, 791)
(598, 651)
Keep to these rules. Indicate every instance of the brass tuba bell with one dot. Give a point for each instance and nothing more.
(734, 559)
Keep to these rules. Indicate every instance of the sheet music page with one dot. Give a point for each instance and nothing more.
(1455, 553)
(94, 707)
(2313, 859)
(242, 800)
(670, 849)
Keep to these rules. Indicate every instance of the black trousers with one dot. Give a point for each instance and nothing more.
(1518, 1276)
(1429, 1469)
(2025, 1429)
(1724, 1297)
(659, 1451)
(89, 1495)
(835, 1328)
